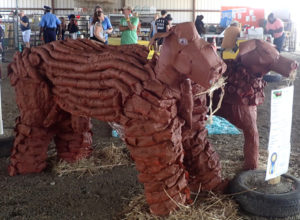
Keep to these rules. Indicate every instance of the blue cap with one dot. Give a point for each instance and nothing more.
(71, 16)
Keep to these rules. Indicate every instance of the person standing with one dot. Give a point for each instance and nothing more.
(63, 28)
(25, 28)
(106, 25)
(161, 25)
(153, 26)
(200, 25)
(169, 20)
(128, 27)
(48, 24)
(275, 28)
(73, 27)
(1, 42)
(139, 26)
(231, 35)
(96, 28)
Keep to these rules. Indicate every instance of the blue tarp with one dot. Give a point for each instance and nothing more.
(221, 126)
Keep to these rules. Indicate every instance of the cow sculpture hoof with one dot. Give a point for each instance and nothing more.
(255, 196)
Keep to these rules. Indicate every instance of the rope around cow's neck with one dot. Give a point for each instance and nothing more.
(220, 84)
(292, 78)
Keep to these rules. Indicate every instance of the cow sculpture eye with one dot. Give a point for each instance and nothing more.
(183, 41)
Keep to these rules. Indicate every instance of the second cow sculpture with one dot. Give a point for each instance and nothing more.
(245, 90)
(60, 85)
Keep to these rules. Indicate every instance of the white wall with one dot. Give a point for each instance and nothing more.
(57, 4)
(166, 4)
(38, 4)
(209, 17)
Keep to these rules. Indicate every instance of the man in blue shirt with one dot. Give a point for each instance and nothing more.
(106, 25)
(48, 24)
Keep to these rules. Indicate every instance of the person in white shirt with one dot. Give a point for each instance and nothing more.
(96, 28)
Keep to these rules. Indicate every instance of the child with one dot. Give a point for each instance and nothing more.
(73, 27)
(63, 28)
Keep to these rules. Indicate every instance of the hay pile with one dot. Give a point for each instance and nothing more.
(106, 157)
(209, 207)
(206, 207)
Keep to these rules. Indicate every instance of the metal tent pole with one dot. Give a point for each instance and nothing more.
(16, 29)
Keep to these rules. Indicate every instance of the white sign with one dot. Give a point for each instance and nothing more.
(280, 132)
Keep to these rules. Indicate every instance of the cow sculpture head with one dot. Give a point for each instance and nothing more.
(261, 57)
(185, 53)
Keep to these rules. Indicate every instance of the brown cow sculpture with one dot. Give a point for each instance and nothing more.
(60, 85)
(244, 90)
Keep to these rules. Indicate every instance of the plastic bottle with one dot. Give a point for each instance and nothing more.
(20, 47)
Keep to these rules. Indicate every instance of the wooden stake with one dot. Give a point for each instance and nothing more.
(275, 180)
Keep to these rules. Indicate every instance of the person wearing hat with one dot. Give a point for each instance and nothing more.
(25, 28)
(106, 25)
(48, 24)
(231, 35)
(128, 27)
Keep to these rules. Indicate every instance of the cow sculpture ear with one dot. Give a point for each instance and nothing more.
(247, 46)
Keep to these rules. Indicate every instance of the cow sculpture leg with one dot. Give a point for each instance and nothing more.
(73, 138)
(158, 154)
(29, 152)
(244, 117)
(201, 161)
(37, 125)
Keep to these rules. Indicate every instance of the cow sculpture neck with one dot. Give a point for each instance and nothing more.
(60, 85)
